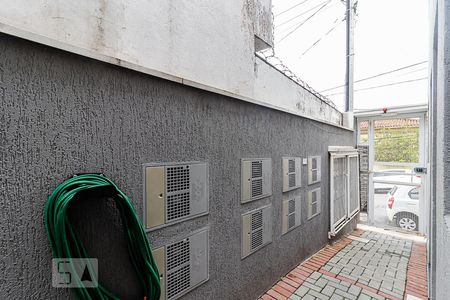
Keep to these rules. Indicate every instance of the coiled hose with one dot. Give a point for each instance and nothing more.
(66, 244)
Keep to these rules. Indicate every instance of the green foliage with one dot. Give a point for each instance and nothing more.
(397, 144)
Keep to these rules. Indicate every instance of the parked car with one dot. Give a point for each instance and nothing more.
(403, 206)
(392, 175)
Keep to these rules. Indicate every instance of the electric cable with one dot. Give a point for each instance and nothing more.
(301, 14)
(377, 75)
(65, 242)
(306, 20)
(322, 37)
(383, 85)
(290, 8)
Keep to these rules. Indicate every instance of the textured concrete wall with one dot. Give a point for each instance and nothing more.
(208, 45)
(440, 149)
(64, 114)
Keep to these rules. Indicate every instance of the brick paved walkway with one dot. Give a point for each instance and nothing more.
(363, 265)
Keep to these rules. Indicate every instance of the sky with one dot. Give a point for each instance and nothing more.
(389, 34)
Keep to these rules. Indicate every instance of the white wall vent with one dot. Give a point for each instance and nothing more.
(174, 193)
(256, 179)
(314, 203)
(256, 229)
(291, 210)
(292, 173)
(314, 168)
(183, 265)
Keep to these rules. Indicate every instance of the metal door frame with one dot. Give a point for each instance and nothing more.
(417, 111)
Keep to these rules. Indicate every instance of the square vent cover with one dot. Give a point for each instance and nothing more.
(174, 193)
(256, 230)
(256, 179)
(292, 173)
(314, 169)
(183, 265)
(291, 210)
(314, 203)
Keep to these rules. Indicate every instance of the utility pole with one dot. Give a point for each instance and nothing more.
(348, 115)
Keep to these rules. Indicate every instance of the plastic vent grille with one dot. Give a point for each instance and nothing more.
(257, 232)
(257, 187)
(291, 206)
(314, 197)
(291, 164)
(291, 221)
(257, 239)
(292, 180)
(256, 169)
(178, 206)
(178, 281)
(314, 163)
(178, 268)
(178, 178)
(257, 221)
(177, 254)
(314, 208)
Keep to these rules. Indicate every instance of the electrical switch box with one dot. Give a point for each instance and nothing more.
(256, 230)
(183, 265)
(256, 179)
(174, 193)
(292, 173)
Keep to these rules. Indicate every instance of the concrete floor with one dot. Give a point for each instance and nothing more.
(368, 264)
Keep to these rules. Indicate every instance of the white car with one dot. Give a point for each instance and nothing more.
(403, 206)
(392, 175)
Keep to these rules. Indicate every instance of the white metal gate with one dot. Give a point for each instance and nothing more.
(394, 186)
(344, 187)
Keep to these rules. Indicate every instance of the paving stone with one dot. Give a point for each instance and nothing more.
(315, 275)
(310, 280)
(327, 268)
(312, 286)
(331, 278)
(346, 295)
(372, 295)
(354, 290)
(301, 291)
(308, 297)
(364, 297)
(375, 284)
(328, 290)
(338, 286)
(294, 297)
(336, 297)
(400, 296)
(318, 295)
(321, 282)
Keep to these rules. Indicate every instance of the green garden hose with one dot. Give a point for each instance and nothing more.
(66, 244)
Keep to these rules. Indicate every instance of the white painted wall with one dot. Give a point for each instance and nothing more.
(203, 43)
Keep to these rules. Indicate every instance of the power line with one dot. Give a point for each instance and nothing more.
(297, 23)
(377, 75)
(322, 37)
(306, 20)
(379, 86)
(292, 7)
(301, 14)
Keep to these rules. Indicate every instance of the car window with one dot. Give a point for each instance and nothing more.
(414, 194)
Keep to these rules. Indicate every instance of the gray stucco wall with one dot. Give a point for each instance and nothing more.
(440, 149)
(63, 114)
